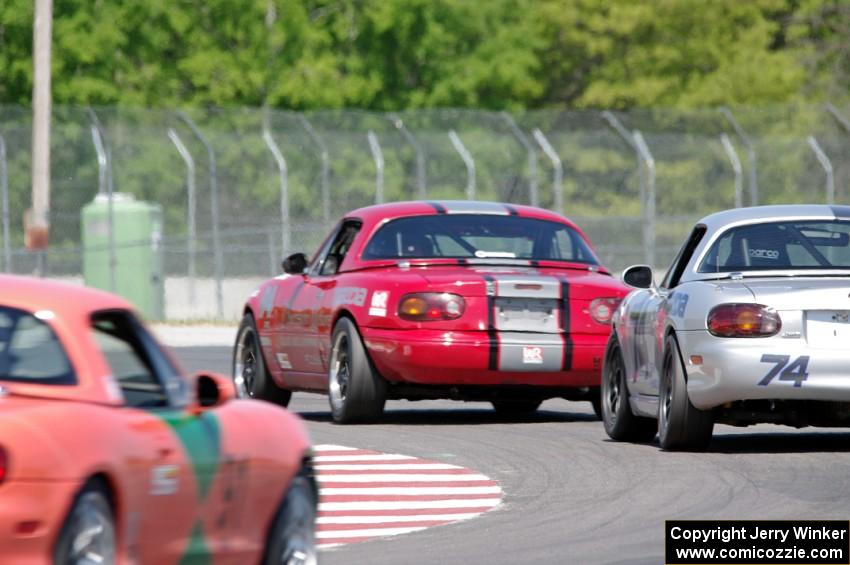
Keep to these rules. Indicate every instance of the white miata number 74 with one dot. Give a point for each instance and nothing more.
(750, 324)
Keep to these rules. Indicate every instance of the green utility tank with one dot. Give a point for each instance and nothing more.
(137, 229)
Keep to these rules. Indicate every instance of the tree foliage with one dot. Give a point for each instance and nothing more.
(395, 54)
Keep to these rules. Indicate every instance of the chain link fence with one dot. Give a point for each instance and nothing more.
(241, 188)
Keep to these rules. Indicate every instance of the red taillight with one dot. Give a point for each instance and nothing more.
(602, 309)
(743, 320)
(4, 465)
(429, 306)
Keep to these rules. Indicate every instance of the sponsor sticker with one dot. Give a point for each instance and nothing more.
(532, 354)
(378, 306)
(164, 480)
(283, 361)
(349, 295)
(764, 253)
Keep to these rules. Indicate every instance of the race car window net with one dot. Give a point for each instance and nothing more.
(798, 245)
(464, 236)
(129, 357)
(30, 352)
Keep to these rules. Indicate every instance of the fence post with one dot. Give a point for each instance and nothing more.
(736, 167)
(839, 117)
(105, 187)
(421, 184)
(557, 169)
(751, 154)
(378, 157)
(216, 236)
(531, 156)
(324, 156)
(649, 218)
(286, 236)
(4, 188)
(827, 167)
(468, 161)
(631, 140)
(191, 236)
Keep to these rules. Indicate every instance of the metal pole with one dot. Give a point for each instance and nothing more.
(751, 154)
(283, 171)
(628, 137)
(827, 167)
(557, 169)
(216, 236)
(378, 156)
(326, 167)
(105, 187)
(531, 156)
(192, 233)
(4, 188)
(468, 161)
(839, 117)
(37, 220)
(421, 184)
(736, 166)
(649, 218)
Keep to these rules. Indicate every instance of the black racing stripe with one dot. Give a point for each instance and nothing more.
(440, 209)
(534, 263)
(564, 321)
(493, 359)
(511, 210)
(841, 212)
(462, 261)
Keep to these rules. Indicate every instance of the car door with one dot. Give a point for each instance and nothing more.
(181, 455)
(321, 291)
(654, 313)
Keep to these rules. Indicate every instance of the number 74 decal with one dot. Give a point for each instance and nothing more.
(794, 371)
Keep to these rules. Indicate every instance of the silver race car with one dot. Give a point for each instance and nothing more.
(750, 324)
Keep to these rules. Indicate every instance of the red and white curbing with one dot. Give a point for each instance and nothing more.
(366, 494)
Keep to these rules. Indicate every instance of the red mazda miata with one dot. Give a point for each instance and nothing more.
(473, 301)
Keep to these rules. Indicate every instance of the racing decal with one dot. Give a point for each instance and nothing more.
(532, 354)
(165, 480)
(455, 207)
(677, 304)
(378, 306)
(564, 325)
(772, 254)
(349, 296)
(439, 208)
(283, 361)
(492, 335)
(796, 371)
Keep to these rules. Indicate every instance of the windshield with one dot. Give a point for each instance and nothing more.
(30, 352)
(781, 245)
(464, 236)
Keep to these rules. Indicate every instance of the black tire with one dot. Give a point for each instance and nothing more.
(356, 392)
(90, 512)
(516, 407)
(250, 376)
(619, 421)
(596, 401)
(292, 536)
(681, 426)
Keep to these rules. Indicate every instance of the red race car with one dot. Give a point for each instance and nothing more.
(109, 455)
(415, 300)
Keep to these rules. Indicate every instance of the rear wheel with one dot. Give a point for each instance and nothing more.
(516, 407)
(619, 421)
(250, 376)
(596, 401)
(292, 538)
(357, 393)
(681, 426)
(88, 534)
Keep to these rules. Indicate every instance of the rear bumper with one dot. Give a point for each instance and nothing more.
(735, 369)
(37, 507)
(433, 357)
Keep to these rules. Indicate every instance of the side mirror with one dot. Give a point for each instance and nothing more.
(211, 390)
(295, 264)
(638, 276)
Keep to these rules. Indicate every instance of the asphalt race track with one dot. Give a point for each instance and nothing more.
(570, 494)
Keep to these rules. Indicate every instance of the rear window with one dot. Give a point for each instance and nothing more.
(30, 351)
(465, 236)
(781, 245)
